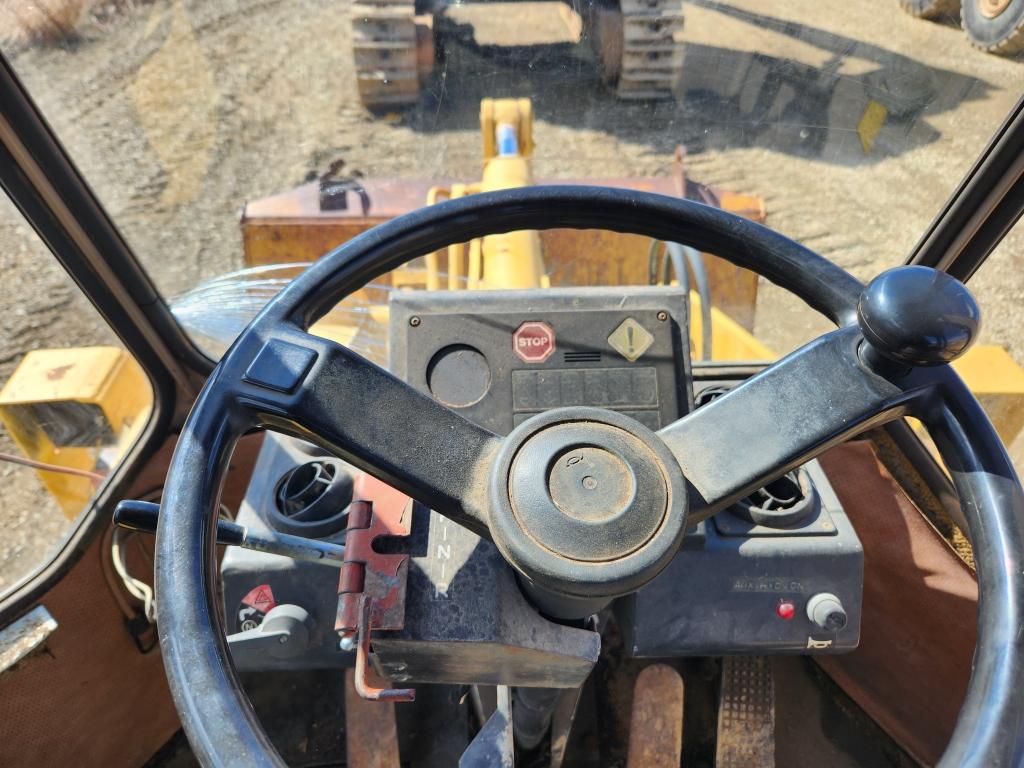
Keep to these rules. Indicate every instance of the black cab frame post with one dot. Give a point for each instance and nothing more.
(984, 207)
(41, 180)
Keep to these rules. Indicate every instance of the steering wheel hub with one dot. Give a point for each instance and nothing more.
(591, 484)
(587, 491)
(585, 505)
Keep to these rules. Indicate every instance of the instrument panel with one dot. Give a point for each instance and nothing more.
(499, 357)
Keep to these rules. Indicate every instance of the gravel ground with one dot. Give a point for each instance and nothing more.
(178, 112)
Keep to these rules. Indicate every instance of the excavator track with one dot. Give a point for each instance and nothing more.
(652, 49)
(385, 48)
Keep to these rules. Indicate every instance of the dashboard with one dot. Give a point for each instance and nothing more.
(779, 572)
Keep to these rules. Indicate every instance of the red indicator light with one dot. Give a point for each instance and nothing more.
(785, 610)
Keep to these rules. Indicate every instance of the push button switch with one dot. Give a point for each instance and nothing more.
(826, 611)
(785, 610)
(280, 365)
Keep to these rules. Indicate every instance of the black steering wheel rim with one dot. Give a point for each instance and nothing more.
(215, 712)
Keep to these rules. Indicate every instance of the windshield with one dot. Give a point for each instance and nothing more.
(233, 136)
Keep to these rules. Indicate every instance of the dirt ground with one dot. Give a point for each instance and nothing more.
(178, 112)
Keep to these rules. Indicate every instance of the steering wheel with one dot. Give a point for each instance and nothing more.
(885, 360)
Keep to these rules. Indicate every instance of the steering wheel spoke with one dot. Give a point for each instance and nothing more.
(316, 389)
(807, 402)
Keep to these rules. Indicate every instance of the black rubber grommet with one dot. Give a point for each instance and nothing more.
(783, 503)
(312, 499)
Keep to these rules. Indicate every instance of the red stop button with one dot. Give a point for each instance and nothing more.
(534, 341)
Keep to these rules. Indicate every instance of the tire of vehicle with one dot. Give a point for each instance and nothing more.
(930, 9)
(994, 26)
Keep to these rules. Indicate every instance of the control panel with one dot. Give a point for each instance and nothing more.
(499, 357)
(779, 572)
(295, 489)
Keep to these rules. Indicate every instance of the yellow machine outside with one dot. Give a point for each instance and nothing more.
(82, 408)
(77, 408)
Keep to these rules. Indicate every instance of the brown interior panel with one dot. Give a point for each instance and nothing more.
(919, 622)
(89, 696)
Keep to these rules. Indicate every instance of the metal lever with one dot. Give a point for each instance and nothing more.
(363, 686)
(144, 515)
(493, 744)
(283, 634)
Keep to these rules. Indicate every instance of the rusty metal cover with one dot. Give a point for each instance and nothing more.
(385, 575)
(911, 670)
(371, 733)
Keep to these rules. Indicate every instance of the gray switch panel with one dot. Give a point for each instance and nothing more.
(255, 582)
(736, 588)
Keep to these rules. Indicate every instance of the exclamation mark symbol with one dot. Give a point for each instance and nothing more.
(629, 337)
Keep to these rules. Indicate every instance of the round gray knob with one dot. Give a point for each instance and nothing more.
(918, 316)
(826, 611)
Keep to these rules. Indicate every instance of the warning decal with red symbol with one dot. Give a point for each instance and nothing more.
(534, 341)
(255, 605)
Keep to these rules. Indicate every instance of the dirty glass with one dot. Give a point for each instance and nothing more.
(72, 401)
(993, 370)
(203, 125)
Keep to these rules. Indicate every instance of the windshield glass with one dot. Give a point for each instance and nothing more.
(240, 135)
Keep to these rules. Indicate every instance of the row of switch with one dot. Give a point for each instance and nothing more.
(824, 610)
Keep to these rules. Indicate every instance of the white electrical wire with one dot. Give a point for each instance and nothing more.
(140, 590)
(135, 587)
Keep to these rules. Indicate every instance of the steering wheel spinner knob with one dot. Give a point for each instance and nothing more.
(918, 316)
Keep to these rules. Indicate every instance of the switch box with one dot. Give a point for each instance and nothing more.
(741, 588)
